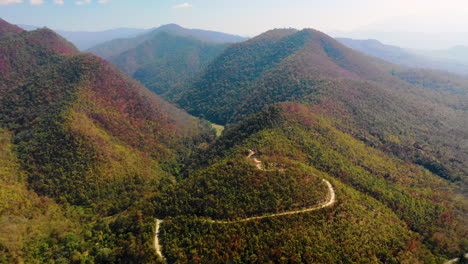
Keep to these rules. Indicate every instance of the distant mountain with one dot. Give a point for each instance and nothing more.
(457, 54)
(87, 39)
(414, 40)
(440, 60)
(165, 60)
(118, 46)
(83, 146)
(166, 57)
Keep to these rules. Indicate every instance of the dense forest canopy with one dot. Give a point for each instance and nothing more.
(327, 156)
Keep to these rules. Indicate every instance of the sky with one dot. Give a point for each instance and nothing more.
(243, 17)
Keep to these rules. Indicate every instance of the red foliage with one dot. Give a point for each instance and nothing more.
(7, 28)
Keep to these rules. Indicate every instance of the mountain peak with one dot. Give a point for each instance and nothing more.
(7, 28)
(171, 26)
(51, 40)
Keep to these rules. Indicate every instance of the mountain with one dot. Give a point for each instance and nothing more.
(301, 111)
(114, 47)
(415, 59)
(233, 206)
(83, 145)
(386, 105)
(456, 54)
(165, 61)
(87, 39)
(7, 28)
(415, 40)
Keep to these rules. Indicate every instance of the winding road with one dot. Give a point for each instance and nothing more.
(258, 164)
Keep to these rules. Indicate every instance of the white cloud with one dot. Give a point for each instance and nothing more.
(103, 1)
(83, 2)
(36, 2)
(184, 5)
(59, 2)
(7, 2)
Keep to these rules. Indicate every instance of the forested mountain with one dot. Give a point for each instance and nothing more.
(442, 60)
(7, 28)
(82, 145)
(386, 210)
(419, 116)
(166, 60)
(115, 47)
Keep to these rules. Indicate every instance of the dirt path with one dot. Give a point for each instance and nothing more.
(258, 164)
(455, 260)
(331, 200)
(157, 246)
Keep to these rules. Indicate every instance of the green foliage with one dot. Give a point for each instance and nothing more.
(424, 112)
(91, 139)
(401, 209)
(165, 61)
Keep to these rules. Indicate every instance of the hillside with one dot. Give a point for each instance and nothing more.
(420, 117)
(114, 47)
(165, 60)
(7, 28)
(415, 59)
(386, 210)
(89, 145)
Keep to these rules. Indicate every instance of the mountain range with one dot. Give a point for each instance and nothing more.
(86, 39)
(328, 155)
(115, 47)
(451, 60)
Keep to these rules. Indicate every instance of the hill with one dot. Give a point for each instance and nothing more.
(85, 144)
(230, 209)
(415, 59)
(165, 60)
(420, 120)
(114, 47)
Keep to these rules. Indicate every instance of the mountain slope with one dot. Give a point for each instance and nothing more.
(373, 100)
(7, 28)
(92, 139)
(114, 47)
(402, 57)
(386, 210)
(164, 61)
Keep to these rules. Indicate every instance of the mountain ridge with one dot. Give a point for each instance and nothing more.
(313, 68)
(90, 140)
(117, 46)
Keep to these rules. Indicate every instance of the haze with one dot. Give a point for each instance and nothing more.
(343, 18)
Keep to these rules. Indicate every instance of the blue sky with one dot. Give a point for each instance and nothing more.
(243, 17)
